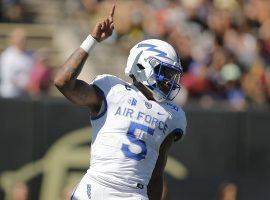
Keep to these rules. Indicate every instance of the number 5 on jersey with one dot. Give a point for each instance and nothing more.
(132, 138)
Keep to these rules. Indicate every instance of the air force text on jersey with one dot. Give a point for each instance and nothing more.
(140, 116)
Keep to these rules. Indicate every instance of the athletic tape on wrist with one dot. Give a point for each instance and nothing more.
(88, 44)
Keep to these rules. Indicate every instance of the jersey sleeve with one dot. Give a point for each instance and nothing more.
(178, 121)
(104, 85)
(180, 124)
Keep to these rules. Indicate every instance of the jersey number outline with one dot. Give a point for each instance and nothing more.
(132, 138)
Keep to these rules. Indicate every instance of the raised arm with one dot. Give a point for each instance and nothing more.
(78, 91)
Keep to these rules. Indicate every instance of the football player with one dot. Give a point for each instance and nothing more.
(134, 124)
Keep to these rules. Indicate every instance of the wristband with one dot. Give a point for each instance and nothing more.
(88, 44)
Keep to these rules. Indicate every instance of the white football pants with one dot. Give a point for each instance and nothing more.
(89, 189)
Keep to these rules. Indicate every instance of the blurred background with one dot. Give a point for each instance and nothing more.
(224, 47)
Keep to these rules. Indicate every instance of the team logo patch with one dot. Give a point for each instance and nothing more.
(148, 105)
(132, 101)
(89, 191)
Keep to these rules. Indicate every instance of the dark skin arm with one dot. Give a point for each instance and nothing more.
(155, 186)
(78, 91)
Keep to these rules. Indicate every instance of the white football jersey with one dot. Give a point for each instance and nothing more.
(128, 133)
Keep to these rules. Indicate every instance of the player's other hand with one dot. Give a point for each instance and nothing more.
(104, 29)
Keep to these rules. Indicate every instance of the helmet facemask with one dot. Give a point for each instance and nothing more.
(164, 79)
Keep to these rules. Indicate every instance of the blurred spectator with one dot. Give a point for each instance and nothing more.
(19, 192)
(40, 78)
(90, 5)
(228, 191)
(195, 80)
(254, 84)
(15, 66)
(13, 11)
(231, 74)
(264, 35)
(182, 43)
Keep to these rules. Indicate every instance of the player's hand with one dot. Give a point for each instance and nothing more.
(104, 29)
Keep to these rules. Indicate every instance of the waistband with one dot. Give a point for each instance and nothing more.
(117, 185)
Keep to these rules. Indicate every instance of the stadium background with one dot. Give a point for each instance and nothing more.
(225, 50)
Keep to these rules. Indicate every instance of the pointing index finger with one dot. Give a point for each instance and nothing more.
(112, 11)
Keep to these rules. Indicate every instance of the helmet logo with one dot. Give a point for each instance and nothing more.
(151, 47)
